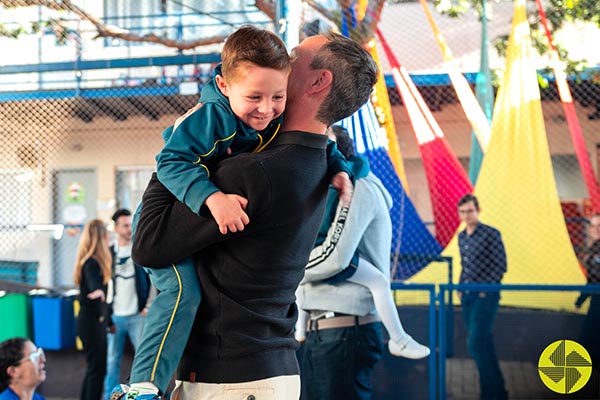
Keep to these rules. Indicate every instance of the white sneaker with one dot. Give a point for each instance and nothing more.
(408, 348)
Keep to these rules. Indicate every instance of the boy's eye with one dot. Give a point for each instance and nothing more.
(278, 97)
(253, 97)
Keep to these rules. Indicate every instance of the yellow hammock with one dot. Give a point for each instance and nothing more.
(517, 189)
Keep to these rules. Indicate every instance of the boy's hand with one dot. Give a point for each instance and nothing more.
(228, 211)
(342, 183)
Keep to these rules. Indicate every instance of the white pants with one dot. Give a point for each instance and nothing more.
(379, 284)
(276, 388)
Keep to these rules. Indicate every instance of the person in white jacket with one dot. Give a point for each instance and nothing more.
(347, 285)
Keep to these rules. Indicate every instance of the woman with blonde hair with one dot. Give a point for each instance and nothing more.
(92, 275)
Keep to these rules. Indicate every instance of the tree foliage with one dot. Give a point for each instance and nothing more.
(558, 12)
(361, 31)
(59, 26)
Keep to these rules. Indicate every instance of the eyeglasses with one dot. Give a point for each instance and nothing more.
(34, 356)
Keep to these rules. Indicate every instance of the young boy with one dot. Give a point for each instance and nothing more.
(240, 110)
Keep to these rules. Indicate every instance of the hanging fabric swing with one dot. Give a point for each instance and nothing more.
(447, 180)
(410, 235)
(569, 108)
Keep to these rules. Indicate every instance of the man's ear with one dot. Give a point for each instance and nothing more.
(323, 81)
(222, 85)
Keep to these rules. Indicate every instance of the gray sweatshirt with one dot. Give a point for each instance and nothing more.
(367, 228)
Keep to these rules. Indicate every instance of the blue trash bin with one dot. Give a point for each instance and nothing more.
(53, 322)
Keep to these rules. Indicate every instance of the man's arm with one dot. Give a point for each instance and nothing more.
(500, 258)
(168, 231)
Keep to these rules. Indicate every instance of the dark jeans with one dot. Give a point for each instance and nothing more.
(590, 329)
(479, 314)
(338, 363)
(92, 333)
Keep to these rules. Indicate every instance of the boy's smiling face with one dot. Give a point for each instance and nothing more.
(257, 95)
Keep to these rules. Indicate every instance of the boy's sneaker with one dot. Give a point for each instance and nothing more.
(124, 392)
(408, 348)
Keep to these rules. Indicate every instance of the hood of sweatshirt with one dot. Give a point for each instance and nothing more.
(211, 93)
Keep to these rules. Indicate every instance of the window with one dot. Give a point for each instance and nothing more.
(131, 183)
(138, 16)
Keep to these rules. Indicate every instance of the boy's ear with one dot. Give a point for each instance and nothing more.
(322, 81)
(222, 85)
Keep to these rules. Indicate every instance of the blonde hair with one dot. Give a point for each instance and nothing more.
(93, 244)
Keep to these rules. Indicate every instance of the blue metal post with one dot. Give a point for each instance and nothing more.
(78, 50)
(442, 343)
(450, 331)
(281, 15)
(432, 342)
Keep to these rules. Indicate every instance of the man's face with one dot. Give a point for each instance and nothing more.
(123, 227)
(468, 213)
(302, 55)
(594, 228)
(257, 95)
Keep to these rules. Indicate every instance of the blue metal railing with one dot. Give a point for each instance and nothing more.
(432, 329)
(443, 301)
(179, 26)
(429, 258)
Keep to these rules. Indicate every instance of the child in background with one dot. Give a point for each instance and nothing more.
(346, 231)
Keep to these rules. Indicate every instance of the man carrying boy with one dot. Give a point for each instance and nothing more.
(240, 111)
(242, 340)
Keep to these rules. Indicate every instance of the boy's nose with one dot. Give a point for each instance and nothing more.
(265, 106)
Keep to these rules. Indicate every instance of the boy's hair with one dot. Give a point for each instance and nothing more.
(354, 75)
(468, 198)
(256, 46)
(119, 213)
(343, 141)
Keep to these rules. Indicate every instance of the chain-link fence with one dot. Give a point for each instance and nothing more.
(81, 118)
(86, 90)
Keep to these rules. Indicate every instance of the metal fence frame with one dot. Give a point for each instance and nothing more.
(441, 323)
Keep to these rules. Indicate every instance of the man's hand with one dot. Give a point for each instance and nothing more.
(228, 211)
(342, 183)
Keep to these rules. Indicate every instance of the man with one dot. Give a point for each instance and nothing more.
(131, 299)
(591, 324)
(483, 260)
(346, 290)
(242, 340)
